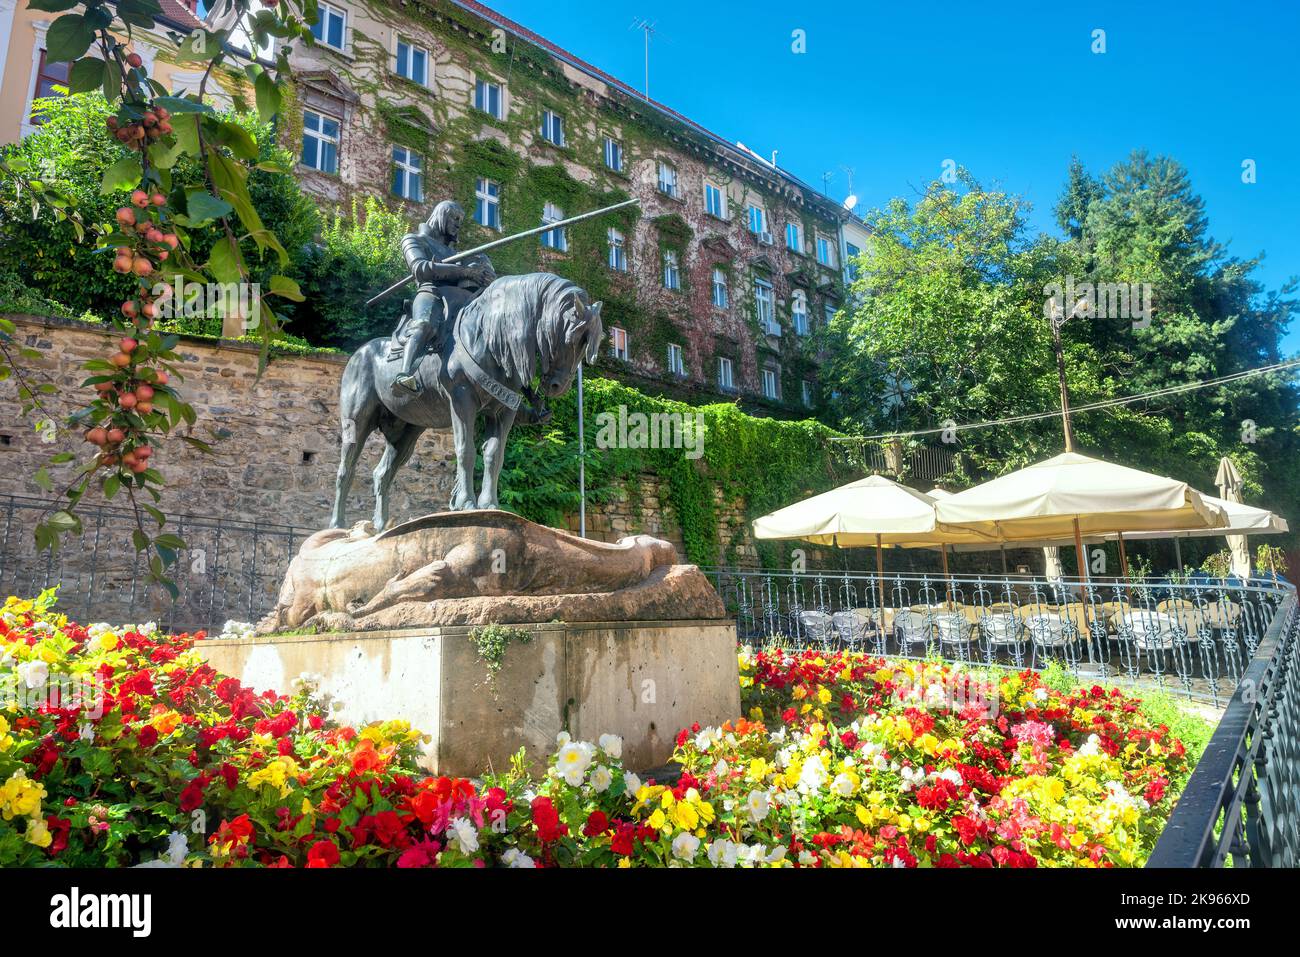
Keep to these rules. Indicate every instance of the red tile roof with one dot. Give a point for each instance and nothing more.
(180, 13)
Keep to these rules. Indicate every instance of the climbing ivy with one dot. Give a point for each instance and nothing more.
(764, 463)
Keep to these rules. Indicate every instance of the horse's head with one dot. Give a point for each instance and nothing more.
(579, 334)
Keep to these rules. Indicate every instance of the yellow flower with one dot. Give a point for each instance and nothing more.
(928, 743)
(824, 695)
(107, 641)
(864, 815)
(657, 820)
(684, 816)
(38, 833)
(799, 693)
(166, 722)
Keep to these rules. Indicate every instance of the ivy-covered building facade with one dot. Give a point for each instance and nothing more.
(713, 286)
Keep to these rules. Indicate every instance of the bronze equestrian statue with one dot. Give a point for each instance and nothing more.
(481, 361)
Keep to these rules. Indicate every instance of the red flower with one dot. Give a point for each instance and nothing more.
(597, 823)
(147, 736)
(547, 820)
(323, 854)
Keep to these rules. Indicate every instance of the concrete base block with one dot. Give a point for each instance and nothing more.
(643, 681)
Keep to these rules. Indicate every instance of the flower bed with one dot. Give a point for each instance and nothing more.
(841, 760)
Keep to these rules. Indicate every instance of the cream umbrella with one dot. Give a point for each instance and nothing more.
(1073, 495)
(873, 511)
(1229, 481)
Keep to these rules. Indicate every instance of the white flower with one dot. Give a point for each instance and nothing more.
(807, 858)
(707, 738)
(721, 769)
(951, 775)
(758, 804)
(1091, 747)
(843, 785)
(723, 853)
(812, 776)
(178, 846)
(1040, 694)
(631, 783)
(685, 846)
(572, 761)
(514, 857)
(34, 673)
(462, 833)
(562, 739)
(601, 779)
(612, 745)
(777, 854)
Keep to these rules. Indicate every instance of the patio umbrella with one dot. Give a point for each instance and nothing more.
(1229, 482)
(873, 511)
(1073, 495)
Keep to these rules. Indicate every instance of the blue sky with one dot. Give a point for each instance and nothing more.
(1008, 90)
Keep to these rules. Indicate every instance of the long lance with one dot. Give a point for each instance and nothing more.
(457, 257)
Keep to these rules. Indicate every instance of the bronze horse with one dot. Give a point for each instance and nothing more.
(535, 325)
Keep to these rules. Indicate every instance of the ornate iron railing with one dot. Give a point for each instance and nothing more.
(1196, 638)
(230, 569)
(1238, 806)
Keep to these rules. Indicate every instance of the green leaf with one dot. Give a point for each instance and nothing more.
(87, 74)
(68, 38)
(42, 478)
(203, 207)
(51, 6)
(180, 104)
(111, 486)
(124, 174)
(268, 96)
(284, 286)
(225, 262)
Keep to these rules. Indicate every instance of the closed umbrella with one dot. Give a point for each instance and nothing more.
(1229, 482)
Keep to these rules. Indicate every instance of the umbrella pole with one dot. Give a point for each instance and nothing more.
(880, 578)
(1083, 568)
(1123, 566)
(1178, 554)
(943, 550)
(1003, 550)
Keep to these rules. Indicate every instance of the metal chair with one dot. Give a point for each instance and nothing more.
(912, 628)
(1004, 632)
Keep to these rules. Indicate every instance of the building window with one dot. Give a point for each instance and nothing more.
(725, 378)
(793, 238)
(408, 174)
(48, 75)
(676, 362)
(618, 346)
(799, 312)
(331, 26)
(488, 98)
(413, 62)
(553, 127)
(715, 200)
(554, 238)
(807, 391)
(757, 220)
(667, 179)
(825, 251)
(613, 155)
(672, 270)
(763, 307)
(851, 254)
(487, 203)
(828, 313)
(719, 287)
(771, 384)
(320, 142)
(617, 250)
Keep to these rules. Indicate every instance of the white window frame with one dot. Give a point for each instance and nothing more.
(617, 243)
(487, 203)
(719, 292)
(676, 359)
(322, 138)
(672, 270)
(765, 306)
(411, 168)
(481, 97)
(794, 238)
(726, 378)
(323, 10)
(553, 128)
(411, 50)
(851, 253)
(557, 239)
(613, 154)
(825, 245)
(799, 312)
(773, 376)
(828, 313)
(761, 226)
(619, 344)
(668, 179)
(712, 189)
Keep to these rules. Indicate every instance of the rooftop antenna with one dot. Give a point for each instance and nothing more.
(647, 27)
(850, 200)
(826, 183)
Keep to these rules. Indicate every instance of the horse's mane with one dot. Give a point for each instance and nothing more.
(528, 310)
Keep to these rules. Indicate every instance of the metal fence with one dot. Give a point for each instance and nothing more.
(1195, 638)
(1237, 808)
(229, 569)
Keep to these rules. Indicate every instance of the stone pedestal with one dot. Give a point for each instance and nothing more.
(643, 681)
